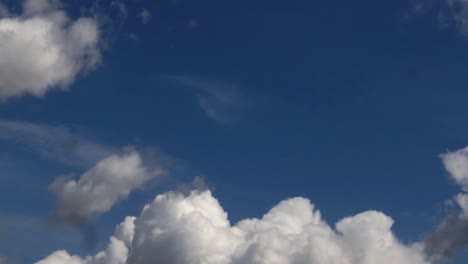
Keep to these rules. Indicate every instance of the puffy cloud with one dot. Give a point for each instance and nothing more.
(98, 189)
(450, 237)
(116, 252)
(456, 163)
(194, 228)
(43, 49)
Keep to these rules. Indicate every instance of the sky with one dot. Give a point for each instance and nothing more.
(229, 132)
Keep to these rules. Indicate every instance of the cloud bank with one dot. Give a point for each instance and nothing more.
(43, 49)
(194, 229)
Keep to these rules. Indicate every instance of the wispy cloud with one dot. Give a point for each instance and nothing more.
(221, 101)
(58, 143)
(121, 8)
(145, 16)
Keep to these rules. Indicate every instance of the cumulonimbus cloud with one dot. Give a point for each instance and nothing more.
(42, 49)
(194, 229)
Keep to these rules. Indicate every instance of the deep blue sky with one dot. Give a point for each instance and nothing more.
(348, 103)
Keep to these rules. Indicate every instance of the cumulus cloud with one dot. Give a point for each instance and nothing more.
(194, 228)
(99, 188)
(57, 143)
(43, 49)
(450, 237)
(222, 102)
(116, 252)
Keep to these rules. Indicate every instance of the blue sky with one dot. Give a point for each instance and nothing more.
(348, 104)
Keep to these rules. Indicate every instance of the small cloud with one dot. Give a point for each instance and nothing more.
(98, 189)
(221, 101)
(145, 16)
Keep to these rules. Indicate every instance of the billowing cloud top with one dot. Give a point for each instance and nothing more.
(43, 48)
(194, 229)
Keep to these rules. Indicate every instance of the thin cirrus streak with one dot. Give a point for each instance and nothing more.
(58, 143)
(221, 101)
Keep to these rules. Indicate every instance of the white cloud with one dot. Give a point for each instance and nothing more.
(98, 189)
(57, 143)
(456, 163)
(222, 102)
(116, 252)
(43, 49)
(450, 237)
(177, 228)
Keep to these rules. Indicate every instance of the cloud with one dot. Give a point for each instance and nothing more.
(57, 143)
(194, 228)
(456, 163)
(98, 189)
(145, 16)
(222, 102)
(43, 49)
(115, 253)
(450, 237)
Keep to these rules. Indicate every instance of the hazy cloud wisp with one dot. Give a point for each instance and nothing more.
(222, 102)
(57, 143)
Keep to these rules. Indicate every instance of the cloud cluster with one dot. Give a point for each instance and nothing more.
(98, 189)
(43, 48)
(194, 229)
